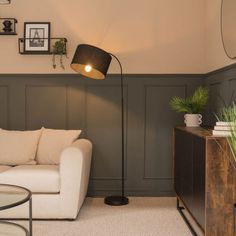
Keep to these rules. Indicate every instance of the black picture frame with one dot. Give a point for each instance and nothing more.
(37, 37)
(8, 26)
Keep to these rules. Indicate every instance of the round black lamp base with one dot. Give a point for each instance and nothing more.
(116, 200)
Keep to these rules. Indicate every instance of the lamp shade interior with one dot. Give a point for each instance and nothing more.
(91, 61)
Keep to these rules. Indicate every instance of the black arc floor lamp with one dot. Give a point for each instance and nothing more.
(94, 63)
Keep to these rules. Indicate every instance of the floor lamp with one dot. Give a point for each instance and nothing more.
(94, 63)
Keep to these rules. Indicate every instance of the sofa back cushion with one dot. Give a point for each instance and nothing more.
(18, 147)
(52, 142)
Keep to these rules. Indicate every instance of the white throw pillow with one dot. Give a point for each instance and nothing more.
(18, 147)
(52, 142)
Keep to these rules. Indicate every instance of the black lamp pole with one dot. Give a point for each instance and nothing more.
(120, 200)
(94, 62)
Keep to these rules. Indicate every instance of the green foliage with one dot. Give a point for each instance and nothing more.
(193, 104)
(222, 115)
(223, 110)
(59, 48)
(229, 115)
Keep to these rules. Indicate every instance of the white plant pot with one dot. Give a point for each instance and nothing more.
(192, 120)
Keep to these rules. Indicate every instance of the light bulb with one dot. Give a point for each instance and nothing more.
(88, 68)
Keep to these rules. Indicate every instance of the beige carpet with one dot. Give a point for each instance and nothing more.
(142, 217)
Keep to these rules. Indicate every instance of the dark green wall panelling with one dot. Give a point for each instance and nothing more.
(222, 86)
(72, 102)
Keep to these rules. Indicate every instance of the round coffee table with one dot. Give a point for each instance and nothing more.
(12, 196)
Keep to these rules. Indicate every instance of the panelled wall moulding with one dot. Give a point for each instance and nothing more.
(71, 102)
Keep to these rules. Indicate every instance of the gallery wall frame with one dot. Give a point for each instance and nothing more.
(8, 26)
(37, 37)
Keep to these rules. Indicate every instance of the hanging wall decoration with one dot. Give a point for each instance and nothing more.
(8, 26)
(37, 37)
(37, 41)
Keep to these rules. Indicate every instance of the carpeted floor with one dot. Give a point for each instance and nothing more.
(142, 217)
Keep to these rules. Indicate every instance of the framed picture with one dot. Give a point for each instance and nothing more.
(37, 37)
(8, 26)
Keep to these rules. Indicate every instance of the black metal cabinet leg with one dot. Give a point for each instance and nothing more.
(180, 210)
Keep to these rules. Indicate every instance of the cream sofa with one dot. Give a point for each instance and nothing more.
(58, 190)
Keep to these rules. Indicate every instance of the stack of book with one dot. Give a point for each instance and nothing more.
(222, 129)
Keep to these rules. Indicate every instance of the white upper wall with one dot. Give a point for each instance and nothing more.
(152, 36)
(215, 55)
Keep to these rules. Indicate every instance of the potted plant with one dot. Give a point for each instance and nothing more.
(228, 114)
(59, 48)
(192, 106)
(221, 115)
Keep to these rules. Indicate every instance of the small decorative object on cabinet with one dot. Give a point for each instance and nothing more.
(205, 180)
(8, 26)
(192, 106)
(4, 2)
(225, 118)
(222, 129)
(228, 115)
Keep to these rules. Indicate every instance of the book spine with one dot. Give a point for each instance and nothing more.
(221, 133)
(223, 128)
(222, 123)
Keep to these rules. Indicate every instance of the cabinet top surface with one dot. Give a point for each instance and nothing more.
(199, 131)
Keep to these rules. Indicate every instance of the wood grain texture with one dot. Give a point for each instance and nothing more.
(220, 189)
(212, 162)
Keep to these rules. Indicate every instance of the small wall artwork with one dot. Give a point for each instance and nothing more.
(8, 26)
(37, 37)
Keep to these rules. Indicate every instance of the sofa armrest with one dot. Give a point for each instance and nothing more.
(75, 164)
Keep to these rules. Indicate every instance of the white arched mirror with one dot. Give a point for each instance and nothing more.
(228, 27)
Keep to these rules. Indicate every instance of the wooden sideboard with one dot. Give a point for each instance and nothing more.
(205, 180)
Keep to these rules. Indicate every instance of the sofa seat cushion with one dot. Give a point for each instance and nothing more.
(37, 178)
(4, 168)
